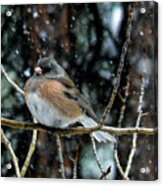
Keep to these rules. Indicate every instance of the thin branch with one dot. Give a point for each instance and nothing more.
(134, 140)
(120, 120)
(30, 151)
(29, 154)
(77, 130)
(120, 169)
(105, 173)
(99, 163)
(34, 136)
(123, 108)
(75, 161)
(120, 67)
(12, 153)
(96, 154)
(75, 169)
(60, 156)
(10, 81)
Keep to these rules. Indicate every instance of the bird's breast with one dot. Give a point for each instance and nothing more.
(49, 105)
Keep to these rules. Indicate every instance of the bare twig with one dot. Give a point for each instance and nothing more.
(123, 108)
(77, 130)
(10, 81)
(134, 140)
(34, 136)
(29, 154)
(75, 161)
(99, 163)
(120, 120)
(12, 153)
(75, 169)
(120, 68)
(96, 154)
(30, 151)
(120, 169)
(105, 173)
(60, 156)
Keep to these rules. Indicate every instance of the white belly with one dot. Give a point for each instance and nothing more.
(46, 114)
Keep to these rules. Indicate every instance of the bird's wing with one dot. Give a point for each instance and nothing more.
(66, 81)
(73, 93)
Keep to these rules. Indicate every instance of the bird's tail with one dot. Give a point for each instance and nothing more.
(100, 136)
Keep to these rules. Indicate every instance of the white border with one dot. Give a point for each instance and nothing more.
(57, 182)
(59, 1)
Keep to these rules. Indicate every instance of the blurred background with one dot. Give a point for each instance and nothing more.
(87, 40)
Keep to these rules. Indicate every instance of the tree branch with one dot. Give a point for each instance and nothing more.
(29, 154)
(120, 120)
(60, 156)
(10, 81)
(105, 173)
(77, 130)
(134, 140)
(34, 136)
(120, 67)
(75, 161)
(118, 164)
(12, 153)
(96, 155)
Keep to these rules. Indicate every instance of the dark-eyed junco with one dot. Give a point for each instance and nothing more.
(54, 101)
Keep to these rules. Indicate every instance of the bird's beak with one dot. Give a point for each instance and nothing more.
(38, 70)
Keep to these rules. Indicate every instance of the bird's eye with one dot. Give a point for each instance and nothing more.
(47, 68)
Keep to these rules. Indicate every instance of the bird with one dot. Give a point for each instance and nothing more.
(54, 100)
